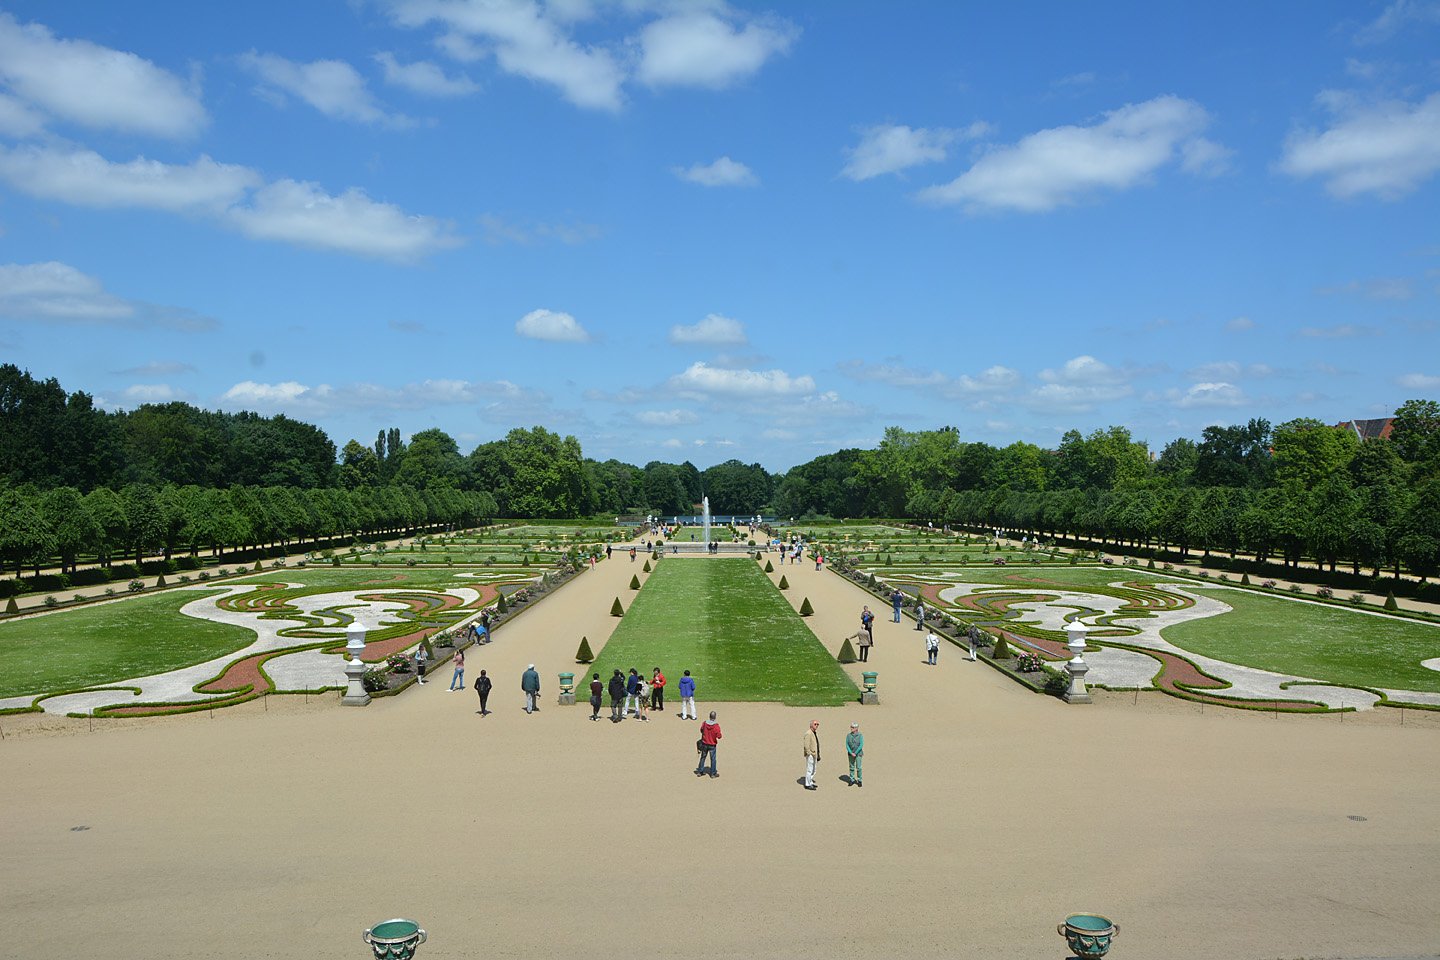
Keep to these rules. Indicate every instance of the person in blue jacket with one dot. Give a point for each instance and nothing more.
(897, 598)
(687, 698)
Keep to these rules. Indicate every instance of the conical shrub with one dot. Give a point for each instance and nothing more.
(634, 582)
(784, 584)
(871, 582)
(888, 561)
(646, 568)
(1002, 649)
(583, 655)
(616, 610)
(1390, 603)
(160, 580)
(258, 567)
(1244, 579)
(1074, 558)
(805, 608)
(12, 606)
(501, 605)
(769, 567)
(1151, 564)
(847, 652)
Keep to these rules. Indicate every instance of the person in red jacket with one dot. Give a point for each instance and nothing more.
(709, 742)
(657, 691)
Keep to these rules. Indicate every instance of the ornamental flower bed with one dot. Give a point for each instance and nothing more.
(1028, 663)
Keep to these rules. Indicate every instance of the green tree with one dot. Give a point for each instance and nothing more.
(72, 527)
(1307, 452)
(25, 537)
(1415, 431)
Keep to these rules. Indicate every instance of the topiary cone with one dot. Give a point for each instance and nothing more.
(1074, 558)
(646, 568)
(501, 606)
(1002, 649)
(12, 606)
(1390, 603)
(258, 567)
(784, 584)
(847, 652)
(634, 582)
(769, 567)
(805, 608)
(583, 655)
(616, 610)
(1245, 579)
(160, 580)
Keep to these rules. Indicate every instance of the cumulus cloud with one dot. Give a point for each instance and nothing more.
(667, 418)
(84, 178)
(424, 78)
(526, 40)
(698, 48)
(552, 326)
(703, 381)
(17, 119)
(1064, 165)
(291, 397)
(713, 331)
(889, 148)
(1417, 381)
(95, 86)
(1398, 15)
(722, 173)
(57, 293)
(1386, 148)
(1209, 395)
(1081, 383)
(333, 87)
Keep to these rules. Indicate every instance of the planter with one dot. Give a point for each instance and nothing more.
(394, 939)
(1088, 934)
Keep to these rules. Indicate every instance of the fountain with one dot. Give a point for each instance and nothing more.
(705, 516)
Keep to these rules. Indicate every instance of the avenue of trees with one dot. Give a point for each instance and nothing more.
(77, 481)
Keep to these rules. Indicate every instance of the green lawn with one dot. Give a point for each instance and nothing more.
(110, 642)
(724, 621)
(1313, 640)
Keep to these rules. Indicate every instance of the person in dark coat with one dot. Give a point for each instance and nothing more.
(617, 698)
(482, 687)
(530, 683)
(597, 693)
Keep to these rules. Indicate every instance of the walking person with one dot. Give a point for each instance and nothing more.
(608, 548)
(632, 692)
(867, 639)
(657, 690)
(457, 679)
(932, 647)
(855, 751)
(974, 636)
(617, 697)
(897, 598)
(920, 615)
(708, 744)
(687, 698)
(642, 704)
(812, 753)
(597, 692)
(420, 663)
(482, 687)
(530, 683)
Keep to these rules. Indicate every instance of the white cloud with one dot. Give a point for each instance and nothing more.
(1400, 13)
(1386, 148)
(84, 178)
(1417, 381)
(291, 397)
(143, 393)
(703, 381)
(1340, 331)
(303, 214)
(56, 293)
(1064, 165)
(697, 48)
(526, 40)
(1205, 158)
(722, 173)
(17, 119)
(667, 418)
(95, 86)
(424, 78)
(1239, 324)
(1231, 370)
(331, 86)
(714, 331)
(552, 326)
(991, 383)
(889, 148)
(1209, 395)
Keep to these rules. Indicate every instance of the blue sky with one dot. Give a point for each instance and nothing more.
(713, 230)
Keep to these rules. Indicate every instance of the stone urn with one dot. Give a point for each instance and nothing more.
(1088, 934)
(394, 939)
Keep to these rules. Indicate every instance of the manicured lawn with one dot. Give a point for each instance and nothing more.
(110, 642)
(1313, 640)
(724, 621)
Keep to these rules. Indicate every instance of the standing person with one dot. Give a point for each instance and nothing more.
(482, 687)
(709, 744)
(485, 625)
(642, 704)
(897, 598)
(632, 554)
(855, 750)
(687, 698)
(866, 640)
(932, 646)
(632, 692)
(617, 697)
(974, 635)
(819, 560)
(597, 691)
(867, 619)
(657, 691)
(812, 753)
(920, 615)
(420, 662)
(608, 548)
(530, 683)
(457, 679)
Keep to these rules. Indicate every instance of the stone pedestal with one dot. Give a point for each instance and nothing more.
(1077, 692)
(355, 695)
(567, 699)
(869, 697)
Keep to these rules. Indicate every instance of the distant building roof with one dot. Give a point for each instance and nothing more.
(1369, 429)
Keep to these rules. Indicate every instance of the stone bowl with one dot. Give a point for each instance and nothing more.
(1088, 934)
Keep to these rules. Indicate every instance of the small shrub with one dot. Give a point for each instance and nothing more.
(805, 609)
(583, 655)
(1150, 564)
(1357, 598)
(501, 606)
(1205, 574)
(847, 652)
(184, 578)
(616, 610)
(109, 591)
(203, 575)
(1325, 593)
(135, 586)
(646, 568)
(223, 571)
(1245, 579)
(1268, 584)
(258, 566)
(769, 567)
(1390, 603)
(78, 598)
(51, 602)
(783, 584)
(1224, 578)
(160, 581)
(1074, 558)
(374, 680)
(1296, 588)
(634, 582)
(1002, 649)
(1057, 684)
(410, 561)
(1028, 662)
(871, 582)
(12, 607)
